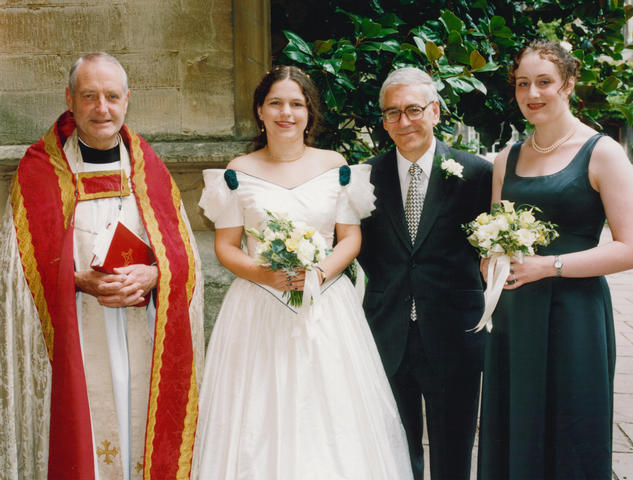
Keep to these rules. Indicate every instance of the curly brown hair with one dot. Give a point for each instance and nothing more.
(568, 66)
(310, 92)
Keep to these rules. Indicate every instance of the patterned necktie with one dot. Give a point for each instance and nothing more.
(413, 205)
(413, 210)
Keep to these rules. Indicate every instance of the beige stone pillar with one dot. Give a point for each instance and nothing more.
(252, 53)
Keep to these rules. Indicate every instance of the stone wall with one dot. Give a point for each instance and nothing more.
(179, 58)
(192, 68)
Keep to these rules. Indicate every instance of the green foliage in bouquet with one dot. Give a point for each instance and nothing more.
(506, 231)
(287, 245)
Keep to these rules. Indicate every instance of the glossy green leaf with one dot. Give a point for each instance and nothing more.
(298, 42)
(294, 54)
(448, 70)
(455, 37)
(322, 46)
(409, 46)
(433, 52)
(420, 43)
(346, 82)
(498, 27)
(587, 76)
(451, 21)
(478, 84)
(456, 53)
(609, 84)
(477, 62)
(460, 85)
(497, 23)
(370, 29)
(330, 65)
(489, 67)
(348, 61)
(370, 46)
(391, 46)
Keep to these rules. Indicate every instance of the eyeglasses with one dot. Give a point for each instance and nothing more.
(413, 112)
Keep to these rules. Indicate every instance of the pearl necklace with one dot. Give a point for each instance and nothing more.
(554, 145)
(288, 160)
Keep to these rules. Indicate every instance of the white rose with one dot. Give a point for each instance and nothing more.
(488, 231)
(526, 237)
(507, 206)
(526, 218)
(453, 167)
(305, 252)
(502, 223)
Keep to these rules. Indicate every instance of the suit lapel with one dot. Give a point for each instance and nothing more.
(387, 185)
(435, 195)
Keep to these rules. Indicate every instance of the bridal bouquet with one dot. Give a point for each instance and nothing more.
(502, 235)
(284, 244)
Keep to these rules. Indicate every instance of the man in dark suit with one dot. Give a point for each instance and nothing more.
(425, 290)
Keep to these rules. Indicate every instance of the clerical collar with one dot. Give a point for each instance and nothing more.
(92, 155)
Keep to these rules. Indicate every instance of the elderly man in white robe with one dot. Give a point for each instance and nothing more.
(99, 371)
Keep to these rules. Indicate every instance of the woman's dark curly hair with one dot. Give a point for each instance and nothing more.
(310, 92)
(568, 66)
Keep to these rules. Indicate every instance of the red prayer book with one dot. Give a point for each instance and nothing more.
(118, 246)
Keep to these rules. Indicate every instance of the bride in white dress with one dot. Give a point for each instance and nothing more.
(287, 394)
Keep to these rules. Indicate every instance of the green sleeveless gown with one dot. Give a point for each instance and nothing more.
(547, 405)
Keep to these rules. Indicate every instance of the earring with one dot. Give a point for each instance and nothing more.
(262, 129)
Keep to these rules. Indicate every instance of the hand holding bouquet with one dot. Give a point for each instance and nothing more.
(287, 245)
(501, 235)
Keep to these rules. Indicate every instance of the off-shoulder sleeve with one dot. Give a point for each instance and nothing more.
(220, 200)
(356, 200)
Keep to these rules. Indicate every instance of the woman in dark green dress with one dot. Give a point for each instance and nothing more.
(547, 404)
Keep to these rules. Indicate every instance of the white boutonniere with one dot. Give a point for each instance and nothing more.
(450, 167)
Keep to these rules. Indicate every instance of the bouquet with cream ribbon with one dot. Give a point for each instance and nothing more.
(287, 245)
(502, 235)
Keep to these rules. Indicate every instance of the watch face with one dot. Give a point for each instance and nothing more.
(558, 263)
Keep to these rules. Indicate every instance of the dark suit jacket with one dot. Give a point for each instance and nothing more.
(441, 271)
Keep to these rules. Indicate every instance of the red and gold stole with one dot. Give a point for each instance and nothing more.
(43, 198)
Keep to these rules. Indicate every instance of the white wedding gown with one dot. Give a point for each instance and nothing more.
(287, 395)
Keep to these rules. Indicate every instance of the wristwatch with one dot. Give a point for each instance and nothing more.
(323, 277)
(558, 265)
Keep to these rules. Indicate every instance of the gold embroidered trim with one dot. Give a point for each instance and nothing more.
(64, 175)
(154, 233)
(123, 191)
(184, 233)
(191, 416)
(27, 252)
(189, 431)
